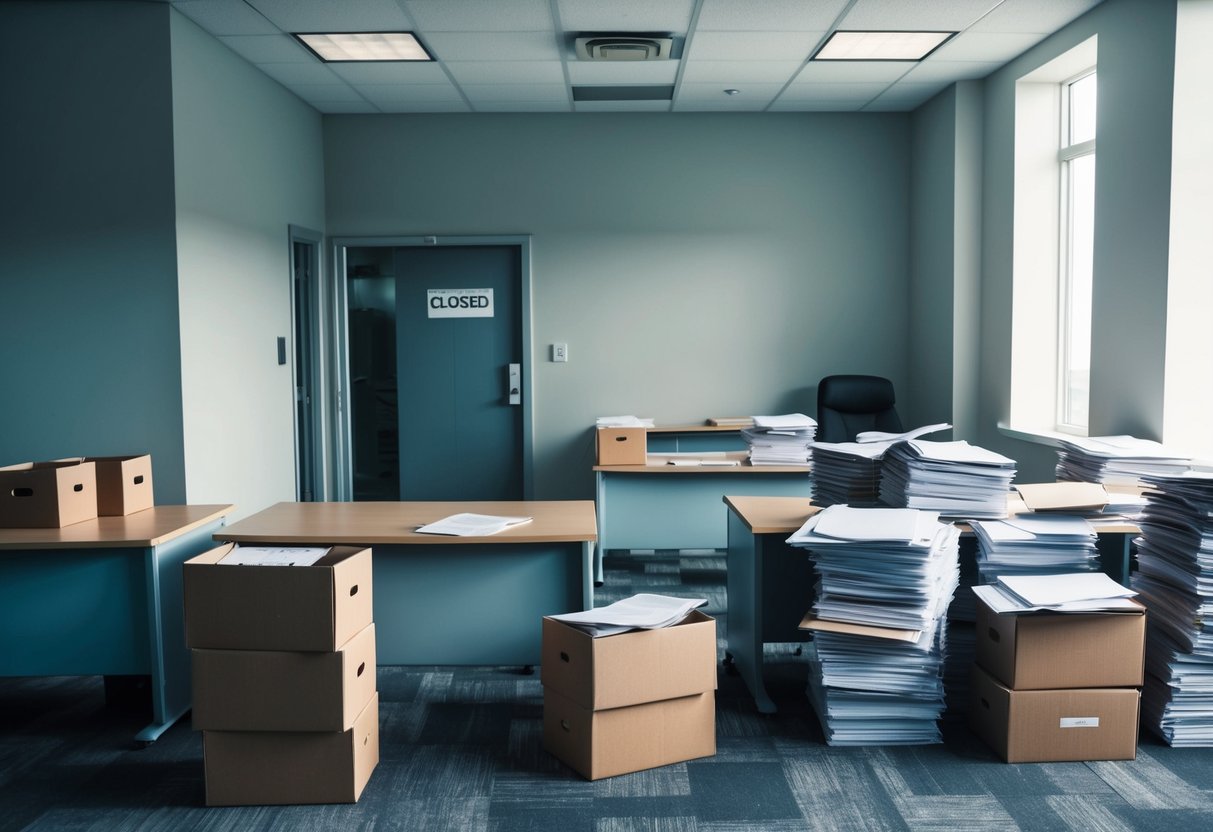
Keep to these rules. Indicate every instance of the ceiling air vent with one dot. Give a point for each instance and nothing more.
(623, 48)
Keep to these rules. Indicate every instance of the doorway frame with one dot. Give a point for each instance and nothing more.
(338, 343)
(308, 340)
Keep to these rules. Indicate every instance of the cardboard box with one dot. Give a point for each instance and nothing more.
(621, 740)
(1045, 651)
(47, 494)
(629, 668)
(622, 446)
(246, 768)
(320, 607)
(260, 690)
(124, 484)
(1038, 726)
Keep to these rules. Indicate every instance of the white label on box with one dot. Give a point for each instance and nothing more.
(1080, 722)
(459, 303)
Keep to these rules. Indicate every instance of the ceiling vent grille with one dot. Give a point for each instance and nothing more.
(624, 48)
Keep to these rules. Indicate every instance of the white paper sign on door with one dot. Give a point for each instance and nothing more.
(459, 303)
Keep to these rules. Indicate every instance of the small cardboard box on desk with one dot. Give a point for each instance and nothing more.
(124, 484)
(284, 675)
(1050, 687)
(39, 495)
(628, 702)
(621, 446)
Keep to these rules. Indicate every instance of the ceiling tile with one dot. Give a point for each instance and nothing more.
(491, 46)
(523, 107)
(833, 92)
(330, 16)
(822, 105)
(708, 93)
(426, 107)
(769, 15)
(544, 93)
(396, 72)
(623, 72)
(621, 106)
(626, 15)
(752, 46)
(986, 46)
(930, 70)
(1039, 16)
(289, 74)
(921, 15)
(225, 17)
(906, 96)
(853, 71)
(506, 72)
(269, 49)
(739, 72)
(342, 107)
(331, 93)
(480, 15)
(382, 95)
(704, 105)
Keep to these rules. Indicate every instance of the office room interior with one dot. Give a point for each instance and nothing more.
(706, 254)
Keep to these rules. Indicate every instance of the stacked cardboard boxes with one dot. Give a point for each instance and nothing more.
(637, 700)
(1056, 686)
(63, 492)
(284, 677)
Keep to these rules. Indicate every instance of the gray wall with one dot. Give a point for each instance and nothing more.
(88, 285)
(1136, 73)
(696, 264)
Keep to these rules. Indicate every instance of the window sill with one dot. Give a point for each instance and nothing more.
(1052, 439)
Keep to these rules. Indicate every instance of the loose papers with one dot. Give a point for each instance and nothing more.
(472, 525)
(849, 472)
(640, 612)
(954, 478)
(623, 422)
(274, 555)
(1077, 592)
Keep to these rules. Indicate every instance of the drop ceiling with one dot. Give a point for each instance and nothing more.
(518, 55)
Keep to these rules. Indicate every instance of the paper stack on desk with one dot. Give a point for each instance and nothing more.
(640, 612)
(893, 570)
(954, 478)
(1175, 582)
(1117, 460)
(849, 472)
(1078, 592)
(780, 440)
(1035, 544)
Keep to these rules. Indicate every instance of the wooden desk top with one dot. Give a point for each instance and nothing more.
(659, 464)
(366, 524)
(142, 529)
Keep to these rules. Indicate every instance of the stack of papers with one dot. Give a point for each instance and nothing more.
(954, 478)
(884, 580)
(640, 612)
(1078, 592)
(623, 422)
(1175, 582)
(1035, 544)
(780, 440)
(1117, 460)
(849, 472)
(472, 525)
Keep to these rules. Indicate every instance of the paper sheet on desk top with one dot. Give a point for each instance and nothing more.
(640, 612)
(472, 525)
(274, 555)
(786, 421)
(623, 422)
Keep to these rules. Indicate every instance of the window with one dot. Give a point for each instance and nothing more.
(1076, 160)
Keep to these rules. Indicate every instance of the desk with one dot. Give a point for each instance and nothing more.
(103, 598)
(451, 600)
(694, 438)
(770, 583)
(662, 506)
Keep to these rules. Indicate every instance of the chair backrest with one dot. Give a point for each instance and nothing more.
(848, 405)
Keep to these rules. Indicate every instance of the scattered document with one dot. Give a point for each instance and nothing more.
(274, 555)
(640, 612)
(472, 525)
(867, 436)
(787, 421)
(696, 461)
(1075, 593)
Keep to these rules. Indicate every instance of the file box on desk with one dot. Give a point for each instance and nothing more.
(1046, 651)
(124, 484)
(245, 768)
(632, 701)
(42, 495)
(1037, 726)
(264, 690)
(621, 446)
(319, 607)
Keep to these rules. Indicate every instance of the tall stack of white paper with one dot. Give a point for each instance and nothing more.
(1117, 460)
(780, 440)
(955, 479)
(847, 473)
(1034, 544)
(1175, 582)
(884, 580)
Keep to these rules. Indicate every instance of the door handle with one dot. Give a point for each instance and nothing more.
(514, 385)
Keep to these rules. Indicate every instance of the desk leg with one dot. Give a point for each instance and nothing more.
(744, 630)
(600, 516)
(587, 575)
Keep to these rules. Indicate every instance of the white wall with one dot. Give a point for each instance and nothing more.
(248, 162)
(696, 264)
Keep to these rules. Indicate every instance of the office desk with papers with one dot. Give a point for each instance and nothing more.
(453, 600)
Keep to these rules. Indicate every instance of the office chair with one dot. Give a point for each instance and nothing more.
(847, 405)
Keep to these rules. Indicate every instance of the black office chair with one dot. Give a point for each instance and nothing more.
(847, 405)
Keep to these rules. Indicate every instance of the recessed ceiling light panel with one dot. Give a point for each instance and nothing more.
(881, 46)
(364, 46)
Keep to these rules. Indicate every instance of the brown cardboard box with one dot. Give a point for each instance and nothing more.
(47, 494)
(629, 668)
(1037, 726)
(320, 607)
(124, 484)
(261, 690)
(245, 768)
(621, 740)
(622, 446)
(1045, 651)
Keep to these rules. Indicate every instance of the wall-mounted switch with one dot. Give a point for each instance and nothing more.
(281, 350)
(560, 353)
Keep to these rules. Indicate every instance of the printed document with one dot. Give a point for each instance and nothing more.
(472, 525)
(644, 612)
(274, 555)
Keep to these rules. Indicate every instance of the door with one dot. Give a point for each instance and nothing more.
(304, 258)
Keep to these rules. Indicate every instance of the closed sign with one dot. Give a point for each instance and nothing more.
(459, 303)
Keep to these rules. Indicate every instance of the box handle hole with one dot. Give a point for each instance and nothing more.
(621, 439)
(23, 492)
(564, 724)
(139, 480)
(361, 668)
(994, 635)
(564, 657)
(354, 590)
(78, 487)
